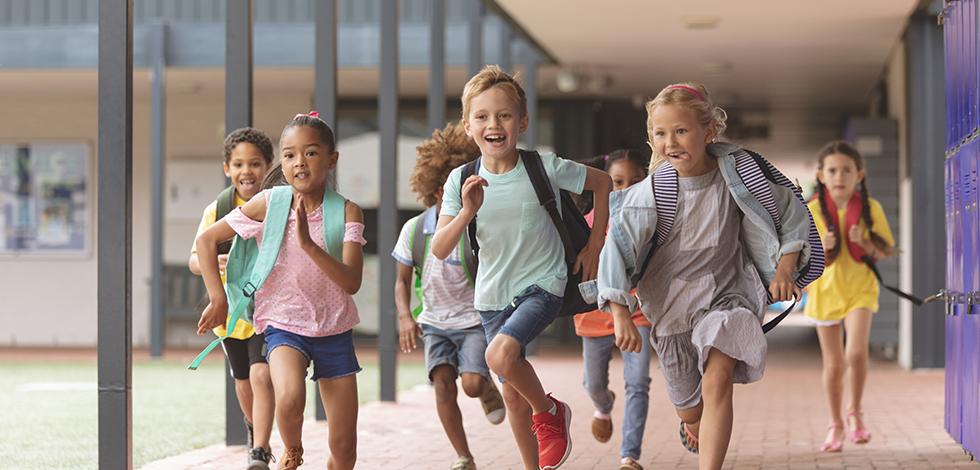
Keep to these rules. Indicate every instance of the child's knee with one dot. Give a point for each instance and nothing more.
(290, 405)
(259, 374)
(856, 358)
(444, 385)
(502, 353)
(343, 448)
(716, 385)
(472, 384)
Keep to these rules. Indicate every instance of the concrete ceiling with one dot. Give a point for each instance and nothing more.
(764, 54)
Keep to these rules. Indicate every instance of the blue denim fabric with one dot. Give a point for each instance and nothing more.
(596, 353)
(526, 317)
(332, 356)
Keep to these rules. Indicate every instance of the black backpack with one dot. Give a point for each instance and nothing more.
(571, 225)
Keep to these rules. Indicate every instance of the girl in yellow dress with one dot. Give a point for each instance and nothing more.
(854, 232)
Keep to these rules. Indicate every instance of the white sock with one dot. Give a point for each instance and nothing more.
(601, 415)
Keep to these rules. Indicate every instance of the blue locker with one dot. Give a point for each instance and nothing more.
(971, 322)
(968, 231)
(953, 331)
(950, 210)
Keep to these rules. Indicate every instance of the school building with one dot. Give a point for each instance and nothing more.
(791, 75)
(835, 75)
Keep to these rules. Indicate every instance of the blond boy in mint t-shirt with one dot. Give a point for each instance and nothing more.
(522, 272)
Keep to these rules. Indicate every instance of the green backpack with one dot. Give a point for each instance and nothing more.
(249, 265)
(423, 227)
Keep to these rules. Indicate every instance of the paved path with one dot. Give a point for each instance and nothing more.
(779, 423)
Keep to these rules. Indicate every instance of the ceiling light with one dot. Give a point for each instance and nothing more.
(701, 21)
(567, 81)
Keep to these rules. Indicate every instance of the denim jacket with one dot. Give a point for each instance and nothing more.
(633, 223)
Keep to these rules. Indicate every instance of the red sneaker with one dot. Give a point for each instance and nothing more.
(554, 443)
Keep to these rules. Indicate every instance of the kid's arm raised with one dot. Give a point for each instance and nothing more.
(346, 273)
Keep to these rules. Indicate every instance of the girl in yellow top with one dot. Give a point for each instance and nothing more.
(854, 229)
(247, 157)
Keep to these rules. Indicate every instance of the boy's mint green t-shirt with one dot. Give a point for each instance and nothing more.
(519, 245)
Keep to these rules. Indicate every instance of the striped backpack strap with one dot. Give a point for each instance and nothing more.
(756, 172)
(665, 191)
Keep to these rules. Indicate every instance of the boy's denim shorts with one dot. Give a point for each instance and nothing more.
(464, 349)
(332, 356)
(525, 318)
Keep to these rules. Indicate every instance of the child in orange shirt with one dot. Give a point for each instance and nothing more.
(626, 167)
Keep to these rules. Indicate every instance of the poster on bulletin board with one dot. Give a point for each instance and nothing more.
(45, 203)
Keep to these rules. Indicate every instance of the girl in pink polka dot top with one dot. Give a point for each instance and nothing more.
(305, 307)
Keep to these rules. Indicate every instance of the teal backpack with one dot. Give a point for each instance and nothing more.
(249, 265)
(423, 227)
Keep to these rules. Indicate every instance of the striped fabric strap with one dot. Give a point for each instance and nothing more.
(665, 193)
(756, 172)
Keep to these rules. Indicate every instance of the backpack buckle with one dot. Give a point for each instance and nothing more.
(248, 289)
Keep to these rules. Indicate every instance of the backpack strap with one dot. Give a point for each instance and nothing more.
(665, 193)
(280, 199)
(468, 257)
(546, 197)
(418, 240)
(470, 169)
(224, 204)
(752, 164)
(334, 212)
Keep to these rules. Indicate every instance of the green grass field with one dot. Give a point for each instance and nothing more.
(49, 409)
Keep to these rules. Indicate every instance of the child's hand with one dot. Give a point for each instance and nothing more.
(855, 235)
(473, 193)
(222, 262)
(588, 262)
(408, 330)
(213, 315)
(782, 286)
(628, 338)
(829, 241)
(302, 225)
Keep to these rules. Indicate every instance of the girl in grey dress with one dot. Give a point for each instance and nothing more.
(711, 276)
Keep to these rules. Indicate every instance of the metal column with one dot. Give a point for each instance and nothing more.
(115, 234)
(325, 92)
(437, 65)
(926, 131)
(388, 210)
(505, 58)
(474, 20)
(531, 61)
(158, 115)
(325, 61)
(238, 113)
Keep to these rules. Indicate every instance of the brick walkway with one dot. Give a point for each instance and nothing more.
(779, 423)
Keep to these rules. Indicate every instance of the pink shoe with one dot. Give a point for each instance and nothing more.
(833, 443)
(858, 434)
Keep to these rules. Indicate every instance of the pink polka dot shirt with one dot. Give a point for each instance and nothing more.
(297, 296)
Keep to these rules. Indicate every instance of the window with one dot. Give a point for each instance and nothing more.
(44, 199)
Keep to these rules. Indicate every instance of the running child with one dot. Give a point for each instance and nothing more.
(247, 157)
(721, 252)
(626, 168)
(845, 298)
(522, 275)
(446, 319)
(304, 307)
